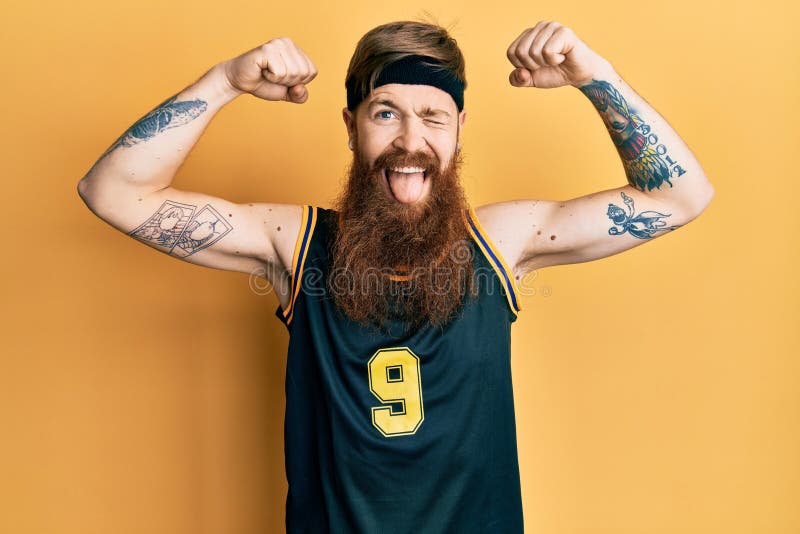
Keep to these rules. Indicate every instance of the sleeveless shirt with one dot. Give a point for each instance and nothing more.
(405, 434)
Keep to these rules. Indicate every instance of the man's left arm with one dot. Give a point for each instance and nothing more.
(666, 188)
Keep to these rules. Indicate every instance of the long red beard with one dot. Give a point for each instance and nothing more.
(378, 236)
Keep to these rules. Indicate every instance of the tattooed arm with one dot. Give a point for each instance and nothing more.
(656, 160)
(666, 188)
(130, 188)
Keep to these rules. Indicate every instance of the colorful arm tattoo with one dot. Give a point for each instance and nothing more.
(646, 161)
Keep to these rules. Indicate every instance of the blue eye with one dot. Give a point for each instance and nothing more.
(380, 113)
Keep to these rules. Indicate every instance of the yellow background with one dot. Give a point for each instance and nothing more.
(657, 391)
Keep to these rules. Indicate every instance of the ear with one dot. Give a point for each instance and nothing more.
(462, 117)
(349, 121)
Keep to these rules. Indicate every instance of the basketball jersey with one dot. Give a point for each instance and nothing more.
(399, 434)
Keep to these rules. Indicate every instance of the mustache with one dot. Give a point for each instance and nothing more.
(402, 158)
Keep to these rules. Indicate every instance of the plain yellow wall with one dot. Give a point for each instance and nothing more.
(657, 391)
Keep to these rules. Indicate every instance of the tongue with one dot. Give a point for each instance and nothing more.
(406, 187)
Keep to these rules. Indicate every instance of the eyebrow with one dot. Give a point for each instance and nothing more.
(425, 112)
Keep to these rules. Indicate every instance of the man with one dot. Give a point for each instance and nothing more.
(400, 413)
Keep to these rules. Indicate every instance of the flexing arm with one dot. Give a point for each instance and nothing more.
(666, 188)
(149, 153)
(130, 188)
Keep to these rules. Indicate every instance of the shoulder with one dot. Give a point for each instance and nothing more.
(304, 224)
(507, 224)
(282, 224)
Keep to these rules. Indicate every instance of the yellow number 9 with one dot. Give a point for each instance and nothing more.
(394, 378)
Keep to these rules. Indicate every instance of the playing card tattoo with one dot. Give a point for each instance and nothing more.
(177, 230)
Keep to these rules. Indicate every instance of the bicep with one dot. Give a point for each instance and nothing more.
(204, 230)
(596, 226)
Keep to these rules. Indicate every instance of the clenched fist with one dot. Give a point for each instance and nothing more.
(277, 70)
(551, 55)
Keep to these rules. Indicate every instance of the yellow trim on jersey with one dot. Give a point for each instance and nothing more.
(307, 224)
(492, 254)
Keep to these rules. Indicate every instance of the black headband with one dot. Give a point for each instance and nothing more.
(411, 70)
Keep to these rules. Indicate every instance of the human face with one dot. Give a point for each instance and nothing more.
(411, 126)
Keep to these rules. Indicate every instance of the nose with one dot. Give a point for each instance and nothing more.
(411, 137)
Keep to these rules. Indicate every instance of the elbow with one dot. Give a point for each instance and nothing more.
(701, 200)
(88, 194)
(82, 186)
(706, 197)
(84, 192)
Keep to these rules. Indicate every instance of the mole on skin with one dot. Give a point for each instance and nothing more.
(552, 237)
(279, 228)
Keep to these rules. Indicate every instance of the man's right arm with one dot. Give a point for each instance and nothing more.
(130, 185)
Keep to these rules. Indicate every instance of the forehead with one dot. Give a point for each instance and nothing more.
(413, 97)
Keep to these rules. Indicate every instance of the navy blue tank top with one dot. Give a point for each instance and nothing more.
(399, 435)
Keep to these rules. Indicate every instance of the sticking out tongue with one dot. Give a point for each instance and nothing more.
(406, 187)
